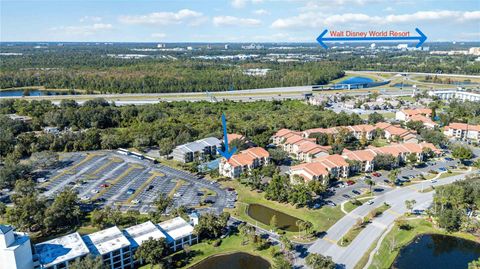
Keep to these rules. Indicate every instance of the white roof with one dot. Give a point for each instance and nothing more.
(176, 228)
(61, 249)
(142, 232)
(106, 241)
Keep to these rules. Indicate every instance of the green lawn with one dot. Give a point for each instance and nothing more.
(351, 234)
(321, 218)
(230, 244)
(398, 238)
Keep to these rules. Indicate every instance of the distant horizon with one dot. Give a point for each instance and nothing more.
(246, 42)
(231, 20)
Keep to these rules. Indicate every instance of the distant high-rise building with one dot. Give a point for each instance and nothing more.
(161, 45)
(474, 51)
(227, 46)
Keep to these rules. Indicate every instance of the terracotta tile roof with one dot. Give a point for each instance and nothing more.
(232, 137)
(462, 126)
(247, 157)
(423, 119)
(331, 161)
(361, 128)
(382, 125)
(282, 132)
(293, 139)
(360, 155)
(411, 112)
(313, 169)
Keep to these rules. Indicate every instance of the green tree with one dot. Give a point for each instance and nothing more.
(384, 161)
(393, 174)
(211, 225)
(370, 183)
(280, 262)
(412, 158)
(318, 261)
(28, 209)
(409, 204)
(63, 212)
(474, 264)
(152, 251)
(88, 262)
(375, 118)
(461, 152)
(277, 155)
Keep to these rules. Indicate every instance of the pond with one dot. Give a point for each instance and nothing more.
(437, 251)
(15, 93)
(237, 260)
(356, 80)
(264, 214)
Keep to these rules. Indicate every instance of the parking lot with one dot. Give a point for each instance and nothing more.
(114, 179)
(341, 192)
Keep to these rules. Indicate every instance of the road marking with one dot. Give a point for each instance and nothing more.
(329, 240)
(393, 212)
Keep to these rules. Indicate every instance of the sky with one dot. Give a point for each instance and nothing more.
(231, 20)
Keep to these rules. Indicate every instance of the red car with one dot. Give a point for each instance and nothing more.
(350, 182)
(104, 185)
(376, 174)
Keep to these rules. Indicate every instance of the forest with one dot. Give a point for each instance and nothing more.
(89, 68)
(99, 125)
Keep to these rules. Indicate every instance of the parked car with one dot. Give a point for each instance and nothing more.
(370, 202)
(350, 182)
(346, 196)
(386, 181)
(130, 191)
(330, 203)
(443, 169)
(356, 192)
(376, 174)
(95, 191)
(104, 185)
(433, 181)
(448, 159)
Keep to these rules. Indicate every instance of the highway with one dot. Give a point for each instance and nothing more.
(280, 93)
(348, 257)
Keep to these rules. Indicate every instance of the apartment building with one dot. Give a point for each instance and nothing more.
(462, 131)
(244, 162)
(116, 247)
(406, 114)
(15, 249)
(333, 166)
(197, 150)
(281, 135)
(427, 122)
(392, 132)
(178, 233)
(112, 245)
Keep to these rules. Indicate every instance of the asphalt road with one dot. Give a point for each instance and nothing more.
(348, 257)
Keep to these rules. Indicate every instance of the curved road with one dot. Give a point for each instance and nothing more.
(348, 257)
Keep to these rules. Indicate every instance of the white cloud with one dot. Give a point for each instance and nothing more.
(313, 20)
(158, 35)
(243, 3)
(235, 21)
(261, 12)
(90, 19)
(83, 30)
(164, 18)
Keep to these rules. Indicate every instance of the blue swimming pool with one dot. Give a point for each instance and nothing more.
(356, 80)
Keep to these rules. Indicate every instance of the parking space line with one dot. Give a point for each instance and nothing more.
(140, 190)
(53, 179)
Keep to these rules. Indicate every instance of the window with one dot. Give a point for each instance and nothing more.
(116, 252)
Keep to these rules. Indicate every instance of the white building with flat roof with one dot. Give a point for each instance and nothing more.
(197, 150)
(112, 245)
(142, 232)
(179, 232)
(59, 252)
(15, 249)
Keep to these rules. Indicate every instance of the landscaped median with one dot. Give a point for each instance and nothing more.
(321, 219)
(361, 224)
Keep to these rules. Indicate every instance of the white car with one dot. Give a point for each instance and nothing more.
(94, 191)
(370, 202)
(85, 198)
